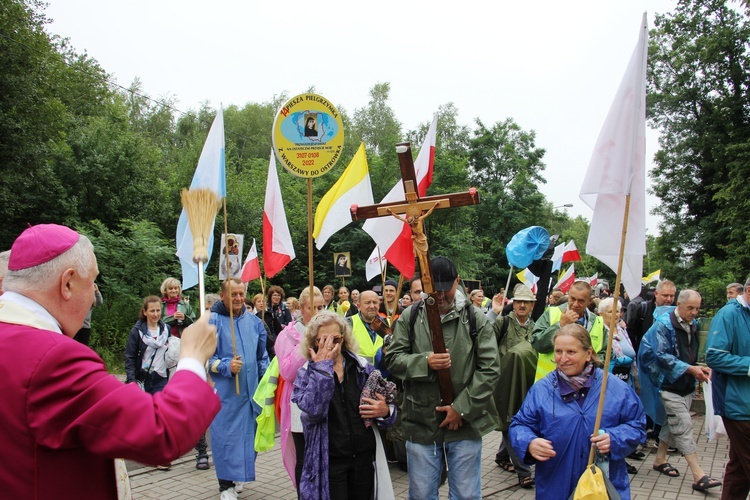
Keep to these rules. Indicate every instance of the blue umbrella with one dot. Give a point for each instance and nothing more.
(527, 246)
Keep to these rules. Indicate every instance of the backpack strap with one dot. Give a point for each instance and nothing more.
(503, 328)
(472, 322)
(470, 311)
(413, 319)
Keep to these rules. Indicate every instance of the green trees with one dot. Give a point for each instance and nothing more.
(699, 72)
(111, 162)
(506, 165)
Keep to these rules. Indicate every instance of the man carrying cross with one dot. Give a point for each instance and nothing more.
(455, 429)
(445, 354)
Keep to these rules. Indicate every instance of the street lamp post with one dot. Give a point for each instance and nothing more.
(567, 205)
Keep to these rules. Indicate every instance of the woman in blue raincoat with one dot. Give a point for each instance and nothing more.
(554, 425)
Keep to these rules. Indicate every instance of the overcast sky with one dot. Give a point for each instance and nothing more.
(553, 67)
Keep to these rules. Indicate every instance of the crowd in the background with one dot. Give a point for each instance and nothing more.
(357, 381)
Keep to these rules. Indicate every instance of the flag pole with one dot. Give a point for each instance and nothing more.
(398, 295)
(228, 288)
(612, 323)
(383, 270)
(507, 285)
(310, 232)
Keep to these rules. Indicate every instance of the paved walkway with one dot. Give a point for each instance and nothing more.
(183, 481)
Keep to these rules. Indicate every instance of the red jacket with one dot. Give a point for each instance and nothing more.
(63, 418)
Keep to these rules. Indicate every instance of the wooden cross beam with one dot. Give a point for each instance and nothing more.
(413, 212)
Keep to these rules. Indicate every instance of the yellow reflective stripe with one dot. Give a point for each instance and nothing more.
(546, 361)
(555, 314)
(597, 334)
(367, 349)
(544, 365)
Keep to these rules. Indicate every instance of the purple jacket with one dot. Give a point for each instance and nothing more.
(313, 390)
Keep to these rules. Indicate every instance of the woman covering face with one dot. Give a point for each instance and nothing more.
(346, 470)
(290, 359)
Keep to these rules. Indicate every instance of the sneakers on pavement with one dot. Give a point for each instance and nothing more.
(229, 494)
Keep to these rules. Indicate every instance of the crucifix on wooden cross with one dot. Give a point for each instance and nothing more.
(413, 211)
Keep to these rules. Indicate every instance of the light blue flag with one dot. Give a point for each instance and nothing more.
(210, 173)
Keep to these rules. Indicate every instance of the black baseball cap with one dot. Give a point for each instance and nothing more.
(444, 273)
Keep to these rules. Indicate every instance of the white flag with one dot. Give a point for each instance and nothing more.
(210, 173)
(376, 264)
(390, 234)
(618, 169)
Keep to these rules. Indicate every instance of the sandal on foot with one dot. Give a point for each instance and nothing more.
(506, 465)
(667, 469)
(637, 455)
(202, 463)
(526, 482)
(705, 483)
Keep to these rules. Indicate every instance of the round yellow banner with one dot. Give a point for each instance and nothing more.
(308, 135)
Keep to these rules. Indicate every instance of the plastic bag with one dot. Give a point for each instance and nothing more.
(527, 246)
(714, 423)
(594, 485)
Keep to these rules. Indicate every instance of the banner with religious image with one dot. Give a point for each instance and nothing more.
(342, 265)
(234, 242)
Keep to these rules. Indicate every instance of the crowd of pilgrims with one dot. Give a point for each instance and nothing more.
(340, 409)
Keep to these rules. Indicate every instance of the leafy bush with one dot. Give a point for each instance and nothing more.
(133, 261)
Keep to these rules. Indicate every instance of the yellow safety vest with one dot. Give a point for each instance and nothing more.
(546, 362)
(367, 349)
(265, 396)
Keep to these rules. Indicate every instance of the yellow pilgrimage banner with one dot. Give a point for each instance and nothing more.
(308, 135)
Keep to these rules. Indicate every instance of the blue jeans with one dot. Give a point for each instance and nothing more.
(464, 461)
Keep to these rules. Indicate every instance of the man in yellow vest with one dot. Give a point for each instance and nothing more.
(575, 311)
(370, 343)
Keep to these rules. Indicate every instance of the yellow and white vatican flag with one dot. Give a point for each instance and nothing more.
(352, 188)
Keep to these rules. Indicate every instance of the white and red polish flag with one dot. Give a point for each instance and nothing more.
(390, 234)
(567, 279)
(251, 268)
(570, 252)
(278, 250)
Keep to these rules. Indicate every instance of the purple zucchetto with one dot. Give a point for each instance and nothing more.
(39, 244)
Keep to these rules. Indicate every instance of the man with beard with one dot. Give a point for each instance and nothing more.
(438, 434)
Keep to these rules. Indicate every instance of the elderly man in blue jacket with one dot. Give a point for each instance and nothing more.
(668, 371)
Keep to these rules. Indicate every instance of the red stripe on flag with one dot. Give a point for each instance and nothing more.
(272, 262)
(401, 253)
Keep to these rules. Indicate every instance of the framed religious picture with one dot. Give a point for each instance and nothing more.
(472, 285)
(233, 243)
(341, 265)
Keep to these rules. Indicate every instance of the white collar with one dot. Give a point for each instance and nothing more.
(34, 308)
(741, 300)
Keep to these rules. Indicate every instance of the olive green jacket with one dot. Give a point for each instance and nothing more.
(474, 370)
(183, 307)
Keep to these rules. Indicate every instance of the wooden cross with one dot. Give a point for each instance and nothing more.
(413, 212)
